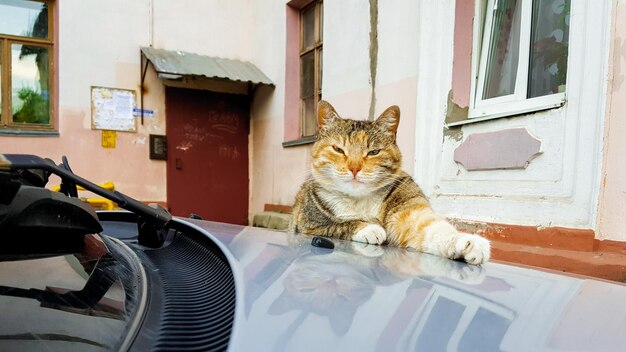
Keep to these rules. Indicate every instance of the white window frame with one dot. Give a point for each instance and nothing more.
(516, 103)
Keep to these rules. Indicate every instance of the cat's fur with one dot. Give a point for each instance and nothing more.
(358, 191)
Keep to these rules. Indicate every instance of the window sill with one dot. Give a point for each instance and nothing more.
(25, 133)
(513, 109)
(301, 141)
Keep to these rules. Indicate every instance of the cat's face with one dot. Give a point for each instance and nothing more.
(355, 157)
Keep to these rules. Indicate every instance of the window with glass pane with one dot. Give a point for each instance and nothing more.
(310, 66)
(26, 62)
(24, 18)
(30, 84)
(523, 58)
(548, 47)
(503, 50)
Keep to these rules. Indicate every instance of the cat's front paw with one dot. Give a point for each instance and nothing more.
(372, 234)
(472, 248)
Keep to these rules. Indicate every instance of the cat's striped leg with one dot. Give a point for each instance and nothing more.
(419, 228)
(443, 239)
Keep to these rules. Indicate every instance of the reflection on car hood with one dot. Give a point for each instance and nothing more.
(293, 296)
(82, 300)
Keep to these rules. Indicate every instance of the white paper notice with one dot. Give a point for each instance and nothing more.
(112, 109)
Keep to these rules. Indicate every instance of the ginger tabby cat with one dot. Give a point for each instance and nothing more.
(358, 191)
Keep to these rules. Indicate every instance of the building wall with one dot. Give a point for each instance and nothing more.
(274, 171)
(560, 186)
(566, 185)
(416, 58)
(277, 172)
(613, 185)
(99, 46)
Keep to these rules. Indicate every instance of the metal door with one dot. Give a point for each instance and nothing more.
(207, 165)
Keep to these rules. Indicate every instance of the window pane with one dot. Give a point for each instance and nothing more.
(548, 51)
(309, 127)
(307, 72)
(321, 24)
(308, 27)
(319, 70)
(30, 84)
(503, 50)
(24, 18)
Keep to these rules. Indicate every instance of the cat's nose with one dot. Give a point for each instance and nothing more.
(355, 170)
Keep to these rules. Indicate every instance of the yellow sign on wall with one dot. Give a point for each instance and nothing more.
(108, 139)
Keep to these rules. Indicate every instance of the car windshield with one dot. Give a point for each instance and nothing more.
(86, 300)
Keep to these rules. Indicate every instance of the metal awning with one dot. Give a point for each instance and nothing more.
(171, 65)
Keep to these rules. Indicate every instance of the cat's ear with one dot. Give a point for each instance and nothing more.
(390, 119)
(325, 114)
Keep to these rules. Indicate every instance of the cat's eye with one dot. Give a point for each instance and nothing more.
(338, 150)
(373, 152)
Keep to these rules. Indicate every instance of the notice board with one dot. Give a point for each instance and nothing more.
(112, 109)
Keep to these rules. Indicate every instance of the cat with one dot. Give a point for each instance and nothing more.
(358, 191)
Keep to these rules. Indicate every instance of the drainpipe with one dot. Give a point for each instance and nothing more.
(373, 54)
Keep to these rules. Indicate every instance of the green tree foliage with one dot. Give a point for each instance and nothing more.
(35, 108)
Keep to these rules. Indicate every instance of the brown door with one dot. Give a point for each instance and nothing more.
(207, 164)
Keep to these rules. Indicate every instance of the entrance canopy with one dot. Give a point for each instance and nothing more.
(188, 70)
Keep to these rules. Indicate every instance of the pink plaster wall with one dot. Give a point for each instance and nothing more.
(292, 72)
(613, 185)
(276, 172)
(127, 165)
(89, 160)
(352, 105)
(462, 64)
(401, 93)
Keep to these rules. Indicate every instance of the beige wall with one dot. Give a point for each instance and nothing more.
(612, 207)
(98, 45)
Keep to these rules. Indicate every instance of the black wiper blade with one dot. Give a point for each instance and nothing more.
(159, 216)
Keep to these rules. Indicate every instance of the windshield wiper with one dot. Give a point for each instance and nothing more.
(157, 217)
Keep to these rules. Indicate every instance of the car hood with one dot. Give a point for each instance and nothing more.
(294, 296)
